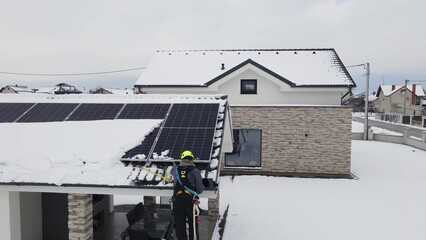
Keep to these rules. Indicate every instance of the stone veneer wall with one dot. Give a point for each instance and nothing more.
(80, 208)
(299, 139)
(213, 205)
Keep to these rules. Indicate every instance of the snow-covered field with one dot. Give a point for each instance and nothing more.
(388, 201)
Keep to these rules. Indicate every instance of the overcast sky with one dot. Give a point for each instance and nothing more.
(96, 36)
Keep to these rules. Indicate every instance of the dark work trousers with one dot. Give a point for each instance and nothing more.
(183, 212)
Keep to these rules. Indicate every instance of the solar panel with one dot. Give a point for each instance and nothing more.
(187, 127)
(9, 112)
(193, 115)
(48, 112)
(177, 140)
(95, 111)
(144, 111)
(144, 148)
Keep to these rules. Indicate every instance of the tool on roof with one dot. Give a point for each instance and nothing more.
(159, 175)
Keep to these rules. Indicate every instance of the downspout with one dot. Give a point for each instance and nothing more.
(349, 91)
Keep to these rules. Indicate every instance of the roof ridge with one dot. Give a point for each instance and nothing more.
(249, 50)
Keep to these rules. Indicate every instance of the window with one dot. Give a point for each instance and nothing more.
(418, 100)
(248, 86)
(247, 149)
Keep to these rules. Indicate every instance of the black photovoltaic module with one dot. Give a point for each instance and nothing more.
(95, 111)
(144, 111)
(10, 112)
(193, 116)
(48, 112)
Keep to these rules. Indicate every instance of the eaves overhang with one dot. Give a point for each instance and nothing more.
(209, 192)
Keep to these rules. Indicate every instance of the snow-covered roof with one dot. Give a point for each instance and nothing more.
(117, 91)
(297, 67)
(391, 88)
(372, 97)
(48, 90)
(90, 152)
(20, 89)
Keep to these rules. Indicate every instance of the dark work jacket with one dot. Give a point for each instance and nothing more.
(194, 176)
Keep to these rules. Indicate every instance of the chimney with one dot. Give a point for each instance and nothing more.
(413, 95)
(223, 66)
(393, 87)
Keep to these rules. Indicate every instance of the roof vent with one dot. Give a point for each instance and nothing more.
(223, 66)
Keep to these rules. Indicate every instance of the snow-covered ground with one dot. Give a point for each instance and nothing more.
(388, 201)
(359, 127)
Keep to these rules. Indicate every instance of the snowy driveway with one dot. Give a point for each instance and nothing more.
(387, 202)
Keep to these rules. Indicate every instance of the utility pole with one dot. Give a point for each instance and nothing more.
(405, 98)
(367, 81)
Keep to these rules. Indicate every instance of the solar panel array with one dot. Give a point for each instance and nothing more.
(189, 126)
(57, 112)
(185, 126)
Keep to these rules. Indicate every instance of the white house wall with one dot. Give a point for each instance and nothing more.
(270, 91)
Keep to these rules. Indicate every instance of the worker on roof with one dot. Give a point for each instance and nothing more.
(188, 183)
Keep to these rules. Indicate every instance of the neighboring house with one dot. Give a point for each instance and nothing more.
(61, 88)
(286, 105)
(56, 154)
(357, 102)
(398, 100)
(115, 91)
(16, 89)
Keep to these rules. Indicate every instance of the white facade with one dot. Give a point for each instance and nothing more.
(270, 90)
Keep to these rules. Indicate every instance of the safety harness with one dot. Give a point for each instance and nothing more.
(183, 186)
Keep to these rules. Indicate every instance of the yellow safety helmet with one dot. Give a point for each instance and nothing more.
(187, 153)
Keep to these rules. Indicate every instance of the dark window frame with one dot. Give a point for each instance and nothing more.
(248, 82)
(236, 146)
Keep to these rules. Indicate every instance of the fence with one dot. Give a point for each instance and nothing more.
(399, 118)
(405, 139)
